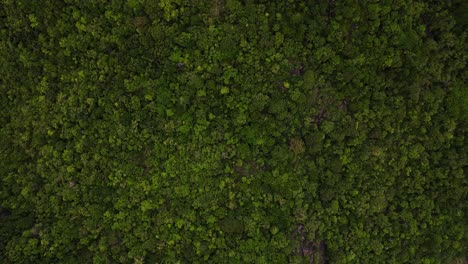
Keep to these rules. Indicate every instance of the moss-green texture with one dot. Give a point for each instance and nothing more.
(232, 131)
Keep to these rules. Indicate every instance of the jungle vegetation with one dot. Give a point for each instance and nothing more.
(233, 131)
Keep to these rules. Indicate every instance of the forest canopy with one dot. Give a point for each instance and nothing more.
(233, 131)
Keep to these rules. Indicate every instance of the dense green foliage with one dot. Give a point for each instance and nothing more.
(233, 131)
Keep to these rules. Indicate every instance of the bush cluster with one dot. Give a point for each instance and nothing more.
(233, 131)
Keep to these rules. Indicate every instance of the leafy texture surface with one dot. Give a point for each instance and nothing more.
(229, 131)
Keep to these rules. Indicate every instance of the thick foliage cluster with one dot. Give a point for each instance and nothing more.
(232, 131)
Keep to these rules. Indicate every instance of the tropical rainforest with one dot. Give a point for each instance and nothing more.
(233, 131)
